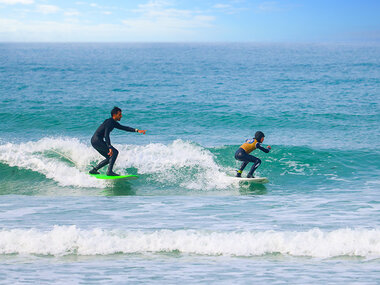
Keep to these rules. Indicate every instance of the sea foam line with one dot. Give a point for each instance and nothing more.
(70, 240)
(32, 156)
(179, 163)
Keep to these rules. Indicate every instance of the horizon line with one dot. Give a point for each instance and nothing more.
(191, 42)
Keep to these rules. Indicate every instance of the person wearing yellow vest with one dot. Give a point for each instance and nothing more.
(243, 153)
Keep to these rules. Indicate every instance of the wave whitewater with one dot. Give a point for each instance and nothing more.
(38, 156)
(70, 240)
(188, 165)
(67, 160)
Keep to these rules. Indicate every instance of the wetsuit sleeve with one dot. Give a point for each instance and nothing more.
(124, 128)
(258, 145)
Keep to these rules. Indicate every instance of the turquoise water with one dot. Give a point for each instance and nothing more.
(317, 221)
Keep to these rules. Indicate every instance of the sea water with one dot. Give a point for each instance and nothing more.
(185, 220)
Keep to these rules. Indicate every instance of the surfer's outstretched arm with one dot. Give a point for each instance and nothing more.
(266, 150)
(129, 129)
(124, 128)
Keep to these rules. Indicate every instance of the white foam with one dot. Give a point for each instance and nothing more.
(183, 163)
(191, 165)
(65, 240)
(32, 156)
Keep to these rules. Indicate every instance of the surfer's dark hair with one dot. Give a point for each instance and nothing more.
(115, 110)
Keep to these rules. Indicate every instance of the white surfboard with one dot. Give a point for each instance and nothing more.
(261, 180)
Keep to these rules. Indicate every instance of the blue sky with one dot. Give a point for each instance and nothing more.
(190, 21)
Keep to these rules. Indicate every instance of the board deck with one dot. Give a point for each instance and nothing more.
(252, 180)
(124, 177)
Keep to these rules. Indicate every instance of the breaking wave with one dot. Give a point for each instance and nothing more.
(186, 164)
(70, 240)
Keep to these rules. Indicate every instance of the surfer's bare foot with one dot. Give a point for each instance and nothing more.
(94, 171)
(250, 176)
(111, 173)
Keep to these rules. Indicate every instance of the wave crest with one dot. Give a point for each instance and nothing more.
(66, 240)
(67, 160)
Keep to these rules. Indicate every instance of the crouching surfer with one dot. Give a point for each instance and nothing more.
(102, 143)
(243, 154)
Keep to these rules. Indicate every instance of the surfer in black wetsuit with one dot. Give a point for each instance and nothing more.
(102, 143)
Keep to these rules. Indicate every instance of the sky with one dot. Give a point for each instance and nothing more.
(190, 21)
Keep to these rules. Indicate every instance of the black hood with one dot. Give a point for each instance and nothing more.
(259, 135)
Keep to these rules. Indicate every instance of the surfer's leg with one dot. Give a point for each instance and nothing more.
(240, 171)
(102, 163)
(256, 163)
(102, 148)
(243, 165)
(115, 153)
(242, 156)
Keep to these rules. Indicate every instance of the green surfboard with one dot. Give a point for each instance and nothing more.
(124, 177)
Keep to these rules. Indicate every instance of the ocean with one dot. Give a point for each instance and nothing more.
(185, 220)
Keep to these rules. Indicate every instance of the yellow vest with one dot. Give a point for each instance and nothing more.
(249, 145)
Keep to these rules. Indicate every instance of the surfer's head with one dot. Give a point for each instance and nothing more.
(259, 136)
(116, 113)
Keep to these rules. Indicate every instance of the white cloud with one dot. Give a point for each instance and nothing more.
(152, 21)
(269, 6)
(158, 17)
(13, 2)
(154, 4)
(71, 13)
(222, 6)
(52, 31)
(8, 26)
(47, 9)
(228, 9)
(94, 5)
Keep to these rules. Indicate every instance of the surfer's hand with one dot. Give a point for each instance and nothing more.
(269, 147)
(111, 152)
(141, 132)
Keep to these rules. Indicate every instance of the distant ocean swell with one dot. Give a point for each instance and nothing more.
(184, 164)
(70, 240)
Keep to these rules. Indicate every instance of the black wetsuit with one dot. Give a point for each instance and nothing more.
(102, 143)
(242, 155)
